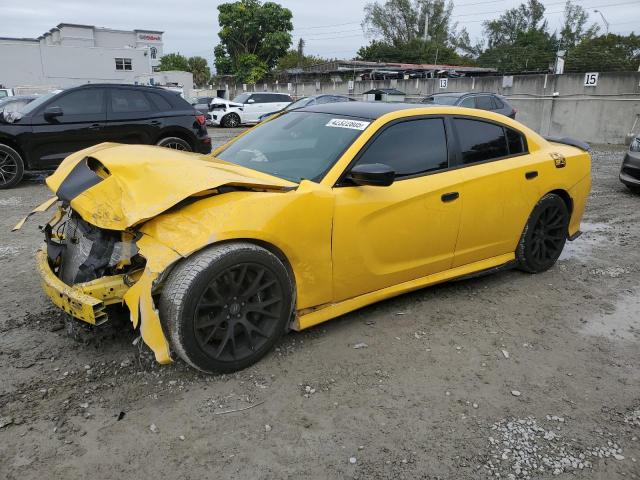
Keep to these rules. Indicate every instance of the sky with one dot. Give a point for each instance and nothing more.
(330, 28)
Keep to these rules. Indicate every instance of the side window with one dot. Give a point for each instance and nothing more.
(498, 102)
(484, 102)
(281, 98)
(87, 101)
(129, 101)
(468, 102)
(515, 141)
(160, 102)
(480, 141)
(411, 147)
(257, 98)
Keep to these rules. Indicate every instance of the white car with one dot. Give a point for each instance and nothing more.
(246, 108)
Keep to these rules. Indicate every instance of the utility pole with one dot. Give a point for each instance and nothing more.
(426, 21)
(604, 20)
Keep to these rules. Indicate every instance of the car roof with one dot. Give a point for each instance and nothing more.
(369, 110)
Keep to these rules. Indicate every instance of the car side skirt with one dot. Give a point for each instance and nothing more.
(314, 316)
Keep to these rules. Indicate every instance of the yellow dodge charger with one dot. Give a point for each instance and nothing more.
(304, 218)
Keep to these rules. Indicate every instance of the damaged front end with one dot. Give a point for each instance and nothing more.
(95, 255)
(100, 263)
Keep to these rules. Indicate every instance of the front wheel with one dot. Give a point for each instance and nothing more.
(231, 120)
(226, 306)
(11, 167)
(544, 235)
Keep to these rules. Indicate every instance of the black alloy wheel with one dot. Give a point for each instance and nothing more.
(544, 236)
(238, 312)
(231, 120)
(225, 306)
(11, 167)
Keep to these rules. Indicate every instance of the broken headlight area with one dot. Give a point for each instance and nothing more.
(79, 252)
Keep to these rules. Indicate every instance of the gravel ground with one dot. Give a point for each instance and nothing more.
(505, 376)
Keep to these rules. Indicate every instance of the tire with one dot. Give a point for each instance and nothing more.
(11, 167)
(241, 312)
(544, 235)
(634, 189)
(175, 143)
(230, 120)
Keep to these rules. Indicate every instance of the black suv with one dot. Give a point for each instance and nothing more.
(483, 101)
(55, 125)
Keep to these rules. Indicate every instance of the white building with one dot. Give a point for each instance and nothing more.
(71, 54)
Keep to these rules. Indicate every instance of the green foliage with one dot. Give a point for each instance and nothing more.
(292, 59)
(605, 53)
(174, 61)
(415, 51)
(253, 36)
(200, 69)
(530, 51)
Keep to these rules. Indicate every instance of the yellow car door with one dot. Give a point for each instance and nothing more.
(499, 188)
(385, 235)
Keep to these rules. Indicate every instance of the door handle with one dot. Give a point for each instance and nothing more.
(531, 175)
(155, 123)
(95, 126)
(450, 197)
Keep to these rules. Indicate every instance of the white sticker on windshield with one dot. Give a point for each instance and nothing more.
(344, 123)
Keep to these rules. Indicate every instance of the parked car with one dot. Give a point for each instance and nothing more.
(11, 105)
(630, 171)
(246, 108)
(306, 217)
(55, 125)
(202, 104)
(484, 101)
(6, 92)
(308, 102)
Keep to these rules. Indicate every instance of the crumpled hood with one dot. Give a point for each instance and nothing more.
(115, 186)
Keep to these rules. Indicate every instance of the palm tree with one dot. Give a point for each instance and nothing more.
(200, 69)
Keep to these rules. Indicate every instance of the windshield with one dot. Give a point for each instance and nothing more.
(37, 102)
(203, 99)
(243, 97)
(296, 145)
(442, 99)
(298, 104)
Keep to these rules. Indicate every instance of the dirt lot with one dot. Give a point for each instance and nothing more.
(510, 375)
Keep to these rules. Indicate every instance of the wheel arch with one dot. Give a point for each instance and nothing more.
(14, 145)
(566, 198)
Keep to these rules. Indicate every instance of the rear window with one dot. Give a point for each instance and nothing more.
(160, 102)
(480, 141)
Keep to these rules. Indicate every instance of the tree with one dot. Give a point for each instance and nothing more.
(415, 51)
(574, 29)
(399, 22)
(253, 36)
(519, 41)
(507, 27)
(531, 51)
(174, 61)
(200, 69)
(605, 53)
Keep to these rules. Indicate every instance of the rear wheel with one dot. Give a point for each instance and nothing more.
(544, 235)
(11, 167)
(175, 143)
(634, 189)
(225, 307)
(231, 120)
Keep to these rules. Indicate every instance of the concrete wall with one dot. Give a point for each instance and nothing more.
(557, 105)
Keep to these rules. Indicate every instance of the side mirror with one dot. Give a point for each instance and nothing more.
(251, 100)
(52, 112)
(373, 174)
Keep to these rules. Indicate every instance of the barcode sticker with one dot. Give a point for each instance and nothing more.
(344, 123)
